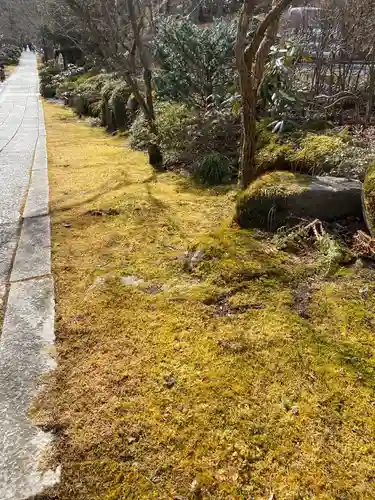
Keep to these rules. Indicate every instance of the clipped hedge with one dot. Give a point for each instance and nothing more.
(47, 83)
(173, 122)
(10, 54)
(117, 102)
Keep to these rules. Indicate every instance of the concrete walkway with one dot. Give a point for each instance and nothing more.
(26, 285)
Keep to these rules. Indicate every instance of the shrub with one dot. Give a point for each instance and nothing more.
(196, 63)
(66, 81)
(87, 95)
(173, 122)
(118, 104)
(46, 78)
(10, 54)
(212, 170)
(140, 136)
(93, 122)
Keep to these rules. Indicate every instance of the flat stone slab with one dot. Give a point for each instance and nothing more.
(293, 197)
(37, 199)
(33, 257)
(8, 243)
(27, 338)
(25, 354)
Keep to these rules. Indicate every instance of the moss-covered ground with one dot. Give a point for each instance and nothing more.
(205, 380)
(9, 69)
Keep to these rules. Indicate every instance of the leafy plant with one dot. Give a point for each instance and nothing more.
(46, 78)
(172, 121)
(213, 169)
(277, 89)
(196, 65)
(10, 54)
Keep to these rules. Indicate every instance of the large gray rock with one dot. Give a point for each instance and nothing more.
(281, 198)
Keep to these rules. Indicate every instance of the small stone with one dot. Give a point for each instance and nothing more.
(195, 487)
(192, 259)
(170, 381)
(156, 477)
(78, 318)
(126, 457)
(131, 281)
(359, 264)
(294, 410)
(67, 224)
(99, 281)
(153, 289)
(364, 292)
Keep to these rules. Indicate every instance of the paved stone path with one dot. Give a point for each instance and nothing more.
(26, 285)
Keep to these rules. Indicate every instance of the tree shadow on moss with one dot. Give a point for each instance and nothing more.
(188, 184)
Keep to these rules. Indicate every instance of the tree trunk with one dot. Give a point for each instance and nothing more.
(371, 85)
(251, 59)
(147, 78)
(248, 147)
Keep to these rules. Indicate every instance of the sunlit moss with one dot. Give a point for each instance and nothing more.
(161, 394)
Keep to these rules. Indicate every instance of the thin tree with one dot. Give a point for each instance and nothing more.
(251, 57)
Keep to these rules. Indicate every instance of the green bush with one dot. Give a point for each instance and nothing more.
(196, 64)
(10, 54)
(212, 170)
(172, 121)
(46, 80)
(86, 96)
(118, 104)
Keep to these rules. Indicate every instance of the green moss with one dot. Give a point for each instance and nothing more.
(273, 155)
(266, 402)
(231, 256)
(316, 152)
(310, 153)
(369, 198)
(276, 184)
